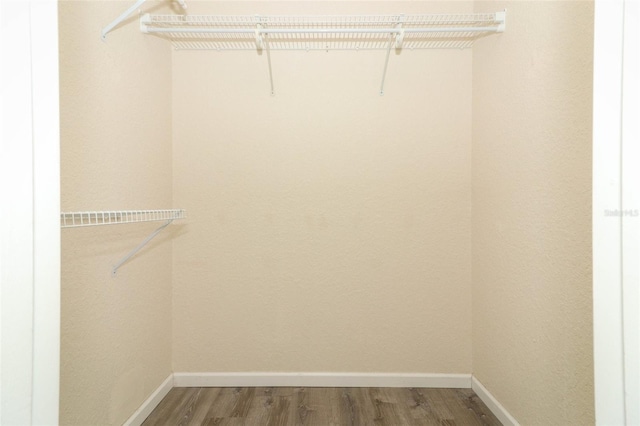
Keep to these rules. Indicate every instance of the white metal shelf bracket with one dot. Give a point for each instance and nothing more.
(262, 43)
(501, 18)
(268, 49)
(400, 33)
(259, 38)
(133, 252)
(126, 14)
(398, 36)
(386, 63)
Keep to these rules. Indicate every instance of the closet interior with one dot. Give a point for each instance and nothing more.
(360, 193)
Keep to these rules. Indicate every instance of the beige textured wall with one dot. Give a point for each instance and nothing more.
(329, 227)
(532, 324)
(116, 154)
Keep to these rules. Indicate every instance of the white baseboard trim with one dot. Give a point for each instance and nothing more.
(492, 403)
(392, 380)
(150, 403)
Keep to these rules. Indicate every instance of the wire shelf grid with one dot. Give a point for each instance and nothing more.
(95, 218)
(346, 32)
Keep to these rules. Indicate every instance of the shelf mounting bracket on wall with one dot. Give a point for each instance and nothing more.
(133, 252)
(262, 42)
(126, 14)
(396, 38)
(97, 218)
(268, 49)
(386, 64)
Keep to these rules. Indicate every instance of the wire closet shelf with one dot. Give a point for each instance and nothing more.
(337, 32)
(114, 217)
(95, 218)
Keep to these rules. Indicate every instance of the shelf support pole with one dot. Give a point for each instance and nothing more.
(386, 63)
(114, 271)
(121, 18)
(266, 44)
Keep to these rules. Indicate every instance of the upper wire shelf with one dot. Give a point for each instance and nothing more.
(345, 32)
(328, 32)
(94, 218)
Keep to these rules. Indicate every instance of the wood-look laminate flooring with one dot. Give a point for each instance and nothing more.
(321, 407)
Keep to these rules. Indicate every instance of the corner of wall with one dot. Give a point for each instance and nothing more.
(115, 155)
(532, 320)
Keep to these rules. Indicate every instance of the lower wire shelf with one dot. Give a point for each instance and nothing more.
(114, 217)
